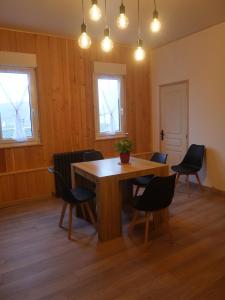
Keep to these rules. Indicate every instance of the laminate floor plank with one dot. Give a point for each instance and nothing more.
(37, 261)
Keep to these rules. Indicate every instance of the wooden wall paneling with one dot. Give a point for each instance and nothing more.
(83, 107)
(46, 122)
(67, 93)
(25, 185)
(90, 100)
(142, 109)
(74, 95)
(66, 108)
(24, 42)
(56, 96)
(78, 108)
(9, 160)
(7, 192)
(130, 104)
(2, 161)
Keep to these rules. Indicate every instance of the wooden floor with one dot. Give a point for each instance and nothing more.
(38, 262)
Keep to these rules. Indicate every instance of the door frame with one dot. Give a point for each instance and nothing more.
(188, 108)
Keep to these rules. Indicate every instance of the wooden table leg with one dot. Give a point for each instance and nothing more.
(108, 194)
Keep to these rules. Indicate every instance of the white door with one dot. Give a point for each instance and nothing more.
(174, 121)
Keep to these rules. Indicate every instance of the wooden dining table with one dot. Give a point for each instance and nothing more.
(110, 178)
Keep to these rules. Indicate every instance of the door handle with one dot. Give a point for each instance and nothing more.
(162, 135)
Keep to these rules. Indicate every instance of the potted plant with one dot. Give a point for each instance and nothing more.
(124, 148)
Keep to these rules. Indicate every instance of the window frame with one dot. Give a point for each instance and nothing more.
(35, 139)
(118, 134)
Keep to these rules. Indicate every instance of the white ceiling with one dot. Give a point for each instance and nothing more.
(63, 17)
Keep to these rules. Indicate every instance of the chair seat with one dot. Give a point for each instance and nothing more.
(143, 181)
(139, 205)
(185, 169)
(82, 194)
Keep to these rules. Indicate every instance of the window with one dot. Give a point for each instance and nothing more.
(109, 108)
(18, 107)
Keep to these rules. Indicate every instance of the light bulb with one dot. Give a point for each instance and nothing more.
(139, 53)
(84, 40)
(155, 24)
(122, 21)
(107, 43)
(95, 12)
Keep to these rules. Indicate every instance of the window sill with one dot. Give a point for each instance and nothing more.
(110, 137)
(6, 145)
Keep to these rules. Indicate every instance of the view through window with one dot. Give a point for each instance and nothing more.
(16, 105)
(110, 105)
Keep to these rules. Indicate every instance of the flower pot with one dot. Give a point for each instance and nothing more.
(124, 158)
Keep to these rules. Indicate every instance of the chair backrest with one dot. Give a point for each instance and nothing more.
(158, 194)
(194, 156)
(65, 189)
(92, 155)
(159, 157)
(62, 164)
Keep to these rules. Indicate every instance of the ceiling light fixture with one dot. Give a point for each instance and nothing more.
(84, 41)
(155, 24)
(139, 53)
(95, 11)
(106, 43)
(122, 20)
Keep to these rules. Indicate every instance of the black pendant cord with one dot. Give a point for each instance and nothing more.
(105, 15)
(83, 11)
(139, 30)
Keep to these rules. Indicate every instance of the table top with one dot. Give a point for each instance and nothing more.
(113, 167)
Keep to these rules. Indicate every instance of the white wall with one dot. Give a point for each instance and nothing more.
(199, 58)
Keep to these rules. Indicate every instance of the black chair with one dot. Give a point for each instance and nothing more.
(192, 163)
(92, 155)
(156, 197)
(143, 181)
(74, 197)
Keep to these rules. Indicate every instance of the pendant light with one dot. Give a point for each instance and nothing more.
(106, 43)
(155, 24)
(95, 11)
(84, 41)
(122, 20)
(139, 53)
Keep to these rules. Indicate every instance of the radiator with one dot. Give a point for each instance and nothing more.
(62, 163)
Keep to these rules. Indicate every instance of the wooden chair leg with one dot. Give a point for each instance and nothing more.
(133, 222)
(83, 212)
(198, 179)
(136, 191)
(91, 215)
(147, 215)
(62, 214)
(177, 179)
(187, 183)
(70, 221)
